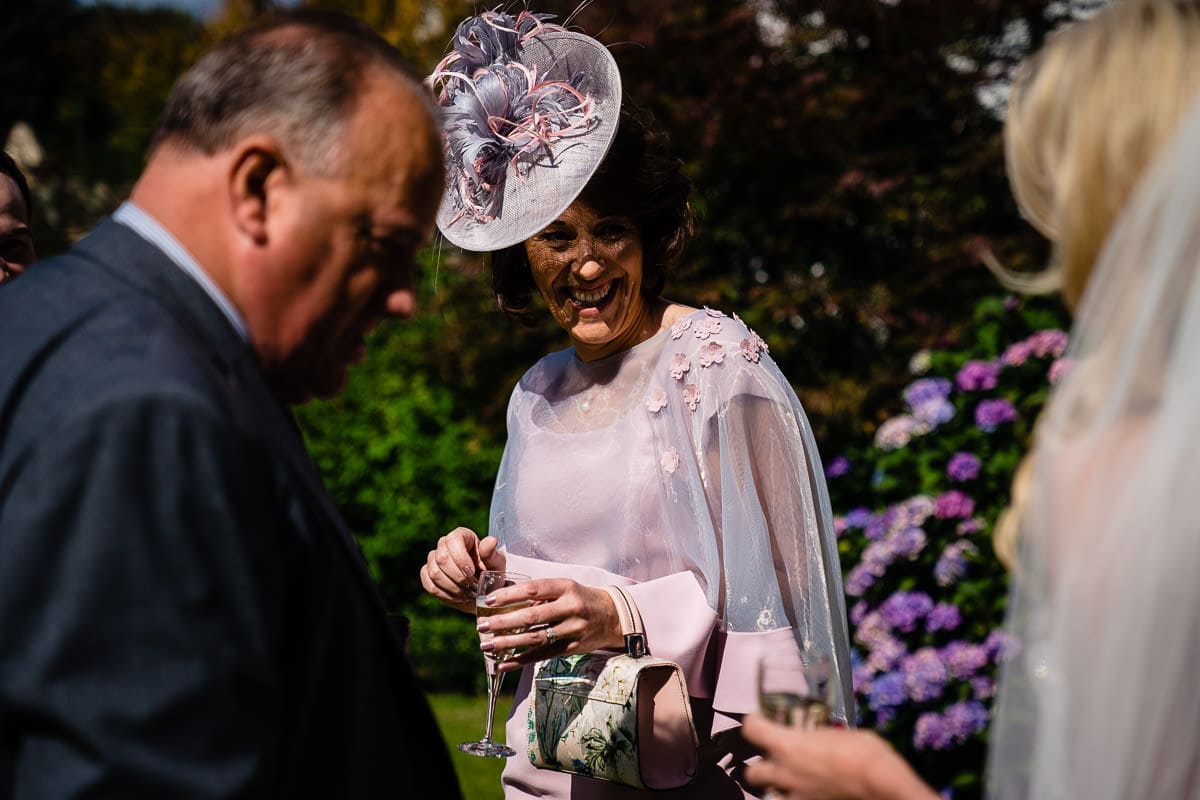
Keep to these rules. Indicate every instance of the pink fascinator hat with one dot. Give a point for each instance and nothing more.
(529, 110)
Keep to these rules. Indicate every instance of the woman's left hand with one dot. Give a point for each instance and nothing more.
(565, 617)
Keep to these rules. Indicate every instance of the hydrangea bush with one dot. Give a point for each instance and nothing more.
(915, 510)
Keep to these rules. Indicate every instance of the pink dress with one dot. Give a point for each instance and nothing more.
(685, 469)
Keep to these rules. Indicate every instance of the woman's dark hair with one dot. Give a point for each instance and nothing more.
(639, 178)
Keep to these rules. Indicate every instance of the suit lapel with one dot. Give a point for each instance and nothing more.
(133, 260)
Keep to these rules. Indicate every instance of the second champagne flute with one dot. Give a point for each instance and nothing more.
(491, 581)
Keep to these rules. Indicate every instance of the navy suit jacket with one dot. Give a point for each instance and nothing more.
(183, 613)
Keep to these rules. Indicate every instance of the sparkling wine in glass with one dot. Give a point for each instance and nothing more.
(794, 693)
(491, 581)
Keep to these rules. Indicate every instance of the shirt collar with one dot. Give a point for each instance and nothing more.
(146, 226)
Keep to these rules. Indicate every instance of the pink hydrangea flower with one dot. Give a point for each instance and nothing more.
(670, 461)
(656, 401)
(680, 364)
(691, 396)
(1060, 368)
(707, 328)
(711, 353)
(679, 327)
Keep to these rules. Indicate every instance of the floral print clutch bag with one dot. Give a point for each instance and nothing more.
(624, 718)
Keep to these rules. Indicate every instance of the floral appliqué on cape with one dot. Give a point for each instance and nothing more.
(656, 401)
(680, 364)
(712, 353)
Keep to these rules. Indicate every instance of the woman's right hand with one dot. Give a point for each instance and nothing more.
(452, 569)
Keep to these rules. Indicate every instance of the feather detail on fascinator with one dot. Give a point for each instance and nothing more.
(529, 110)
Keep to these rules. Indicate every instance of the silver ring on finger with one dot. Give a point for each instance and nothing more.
(551, 636)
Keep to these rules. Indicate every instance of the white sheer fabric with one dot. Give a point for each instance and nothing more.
(688, 456)
(1102, 700)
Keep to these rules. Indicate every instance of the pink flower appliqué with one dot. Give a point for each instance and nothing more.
(712, 312)
(670, 461)
(712, 353)
(707, 328)
(657, 400)
(752, 348)
(679, 327)
(680, 364)
(691, 396)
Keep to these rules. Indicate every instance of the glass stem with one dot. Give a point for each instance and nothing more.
(495, 678)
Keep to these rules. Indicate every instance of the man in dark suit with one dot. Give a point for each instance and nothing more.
(183, 613)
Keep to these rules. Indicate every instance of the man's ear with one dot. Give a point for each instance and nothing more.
(258, 170)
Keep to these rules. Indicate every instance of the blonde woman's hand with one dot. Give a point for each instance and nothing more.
(829, 764)
(451, 570)
(565, 617)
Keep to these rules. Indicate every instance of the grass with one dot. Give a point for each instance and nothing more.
(461, 718)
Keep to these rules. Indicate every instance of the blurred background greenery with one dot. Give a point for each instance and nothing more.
(849, 172)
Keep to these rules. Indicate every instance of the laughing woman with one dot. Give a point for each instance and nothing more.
(663, 451)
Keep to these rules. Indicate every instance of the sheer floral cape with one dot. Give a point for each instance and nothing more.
(1102, 701)
(687, 463)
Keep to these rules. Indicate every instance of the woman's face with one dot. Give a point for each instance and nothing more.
(588, 267)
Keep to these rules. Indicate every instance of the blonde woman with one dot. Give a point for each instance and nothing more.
(1101, 702)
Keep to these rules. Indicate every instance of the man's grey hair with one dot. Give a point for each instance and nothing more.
(297, 77)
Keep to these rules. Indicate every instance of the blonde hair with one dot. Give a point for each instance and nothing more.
(1087, 116)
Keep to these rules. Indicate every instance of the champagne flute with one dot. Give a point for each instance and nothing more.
(795, 692)
(491, 581)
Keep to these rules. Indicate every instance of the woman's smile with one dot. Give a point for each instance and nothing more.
(588, 268)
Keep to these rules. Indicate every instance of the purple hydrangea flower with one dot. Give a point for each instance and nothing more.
(1049, 342)
(859, 580)
(983, 687)
(871, 630)
(917, 508)
(924, 675)
(933, 412)
(977, 376)
(857, 612)
(954, 505)
(887, 691)
(963, 467)
(1059, 369)
(896, 432)
(921, 392)
(859, 517)
(1016, 354)
(969, 526)
(838, 467)
(990, 414)
(887, 654)
(931, 732)
(907, 543)
(903, 610)
(862, 678)
(965, 719)
(952, 564)
(1001, 645)
(943, 617)
(963, 659)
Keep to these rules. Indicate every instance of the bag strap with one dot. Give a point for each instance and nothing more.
(631, 622)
